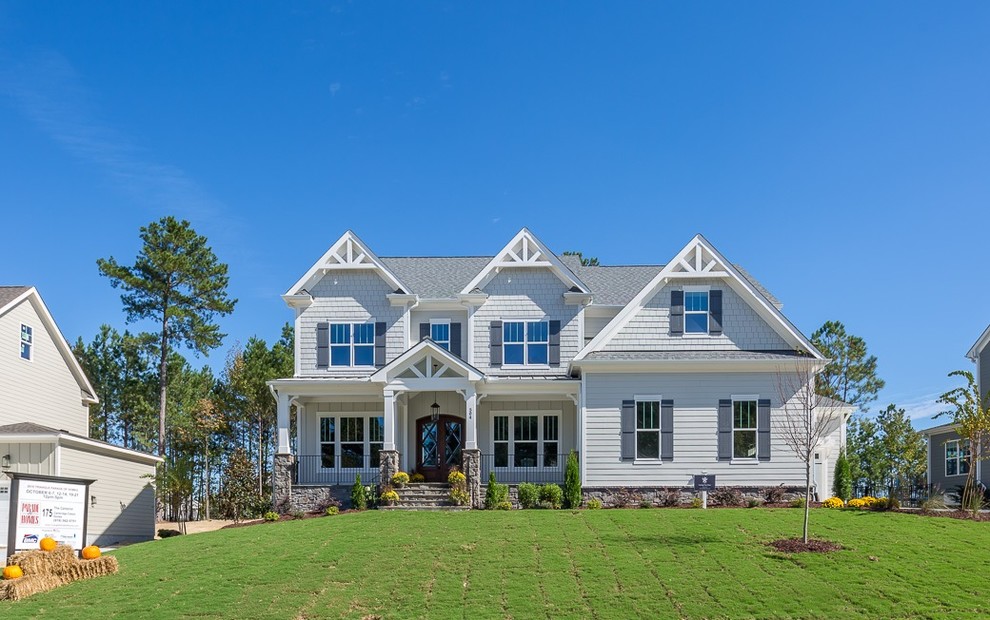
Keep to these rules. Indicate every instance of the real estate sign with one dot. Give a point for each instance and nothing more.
(43, 506)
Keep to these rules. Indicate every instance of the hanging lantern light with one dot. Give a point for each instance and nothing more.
(435, 408)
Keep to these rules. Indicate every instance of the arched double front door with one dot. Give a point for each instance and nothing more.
(438, 446)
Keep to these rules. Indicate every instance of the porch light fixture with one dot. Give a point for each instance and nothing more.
(435, 409)
(5, 461)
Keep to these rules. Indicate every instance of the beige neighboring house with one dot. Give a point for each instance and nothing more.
(44, 424)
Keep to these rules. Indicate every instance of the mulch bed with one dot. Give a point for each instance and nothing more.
(963, 515)
(797, 545)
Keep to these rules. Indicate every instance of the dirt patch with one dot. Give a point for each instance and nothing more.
(963, 515)
(797, 545)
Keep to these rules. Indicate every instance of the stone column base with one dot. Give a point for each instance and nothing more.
(471, 460)
(388, 467)
(283, 472)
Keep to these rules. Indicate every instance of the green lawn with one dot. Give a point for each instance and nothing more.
(546, 564)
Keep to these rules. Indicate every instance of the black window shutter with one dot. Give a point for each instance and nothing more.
(667, 430)
(763, 429)
(725, 430)
(424, 331)
(715, 313)
(554, 348)
(628, 444)
(676, 313)
(322, 345)
(380, 344)
(455, 339)
(496, 343)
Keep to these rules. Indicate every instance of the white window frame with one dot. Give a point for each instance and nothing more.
(742, 398)
(526, 343)
(959, 458)
(337, 442)
(708, 319)
(351, 346)
(540, 441)
(29, 343)
(649, 398)
(441, 342)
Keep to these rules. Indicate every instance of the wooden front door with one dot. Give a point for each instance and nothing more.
(438, 446)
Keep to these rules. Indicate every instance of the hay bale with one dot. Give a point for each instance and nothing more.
(46, 570)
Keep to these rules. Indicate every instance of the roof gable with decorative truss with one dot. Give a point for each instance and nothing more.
(700, 260)
(426, 360)
(347, 253)
(525, 251)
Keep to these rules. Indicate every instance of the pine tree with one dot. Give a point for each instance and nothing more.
(572, 482)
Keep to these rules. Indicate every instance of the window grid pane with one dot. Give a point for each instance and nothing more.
(647, 445)
(648, 414)
(538, 332)
(326, 430)
(340, 333)
(526, 428)
(696, 301)
(744, 414)
(364, 355)
(551, 424)
(513, 332)
(352, 429)
(501, 428)
(340, 356)
(376, 429)
(364, 333)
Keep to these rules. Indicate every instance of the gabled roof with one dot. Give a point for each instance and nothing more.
(13, 296)
(434, 355)
(525, 250)
(30, 428)
(699, 260)
(436, 277)
(348, 253)
(979, 345)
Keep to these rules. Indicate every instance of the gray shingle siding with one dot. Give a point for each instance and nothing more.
(525, 294)
(936, 466)
(984, 378)
(348, 297)
(742, 327)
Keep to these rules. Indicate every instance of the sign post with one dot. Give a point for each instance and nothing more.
(50, 506)
(704, 483)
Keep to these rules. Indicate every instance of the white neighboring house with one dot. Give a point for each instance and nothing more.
(44, 424)
(504, 363)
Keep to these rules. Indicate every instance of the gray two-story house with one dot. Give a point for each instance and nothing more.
(948, 454)
(505, 363)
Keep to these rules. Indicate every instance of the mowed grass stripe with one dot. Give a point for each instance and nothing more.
(545, 564)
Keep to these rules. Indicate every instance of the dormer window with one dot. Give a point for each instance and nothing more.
(27, 342)
(526, 342)
(352, 344)
(695, 312)
(440, 332)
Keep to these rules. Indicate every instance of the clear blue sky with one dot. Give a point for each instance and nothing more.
(839, 152)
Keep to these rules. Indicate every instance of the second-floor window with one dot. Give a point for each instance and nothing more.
(352, 344)
(696, 312)
(526, 342)
(440, 332)
(27, 341)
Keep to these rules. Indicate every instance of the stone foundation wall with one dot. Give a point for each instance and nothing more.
(318, 499)
(283, 469)
(471, 463)
(615, 497)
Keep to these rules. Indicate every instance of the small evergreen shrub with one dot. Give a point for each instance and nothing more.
(166, 533)
(797, 502)
(646, 504)
(842, 478)
(572, 482)
(297, 514)
(271, 516)
(400, 479)
(668, 498)
(359, 498)
(753, 502)
(774, 495)
(529, 495)
(726, 496)
(696, 502)
(332, 510)
(551, 496)
(496, 494)
(594, 504)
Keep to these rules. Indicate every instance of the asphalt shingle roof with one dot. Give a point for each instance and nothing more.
(10, 293)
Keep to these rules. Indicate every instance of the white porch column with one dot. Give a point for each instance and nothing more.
(471, 414)
(391, 420)
(282, 420)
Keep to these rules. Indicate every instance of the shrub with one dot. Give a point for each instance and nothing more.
(646, 504)
(669, 498)
(594, 504)
(934, 501)
(882, 504)
(389, 497)
(774, 495)
(504, 505)
(370, 496)
(297, 514)
(858, 503)
(495, 494)
(456, 479)
(458, 488)
(551, 496)
(754, 502)
(572, 482)
(166, 533)
(327, 504)
(332, 510)
(726, 496)
(833, 502)
(842, 480)
(460, 497)
(797, 502)
(417, 478)
(271, 516)
(400, 479)
(359, 498)
(696, 502)
(529, 495)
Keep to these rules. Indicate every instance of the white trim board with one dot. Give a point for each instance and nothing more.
(347, 253)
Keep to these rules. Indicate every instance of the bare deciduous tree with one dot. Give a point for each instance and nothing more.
(811, 418)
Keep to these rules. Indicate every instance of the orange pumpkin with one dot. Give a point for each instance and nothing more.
(12, 572)
(47, 544)
(91, 552)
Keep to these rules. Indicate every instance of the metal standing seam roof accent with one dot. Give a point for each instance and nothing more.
(443, 277)
(661, 356)
(10, 293)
